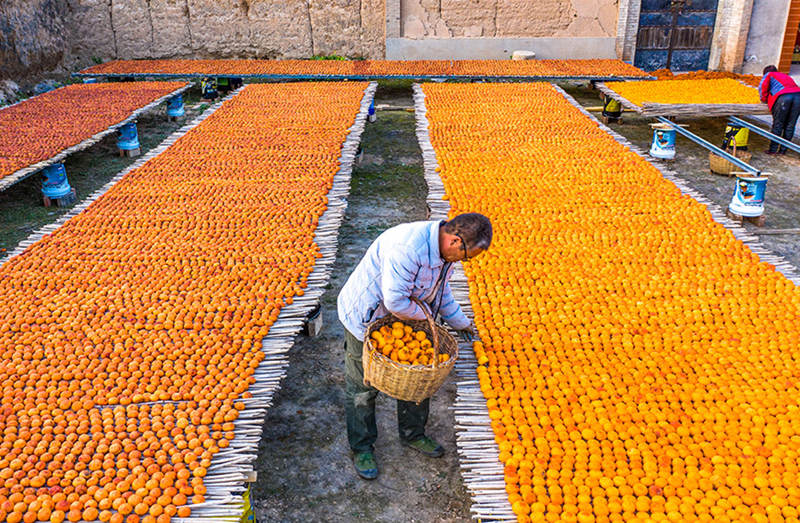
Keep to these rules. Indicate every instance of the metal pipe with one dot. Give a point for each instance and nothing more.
(766, 134)
(711, 147)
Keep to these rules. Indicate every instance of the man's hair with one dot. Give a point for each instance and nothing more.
(474, 228)
(770, 69)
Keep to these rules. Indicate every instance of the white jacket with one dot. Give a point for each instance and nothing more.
(403, 261)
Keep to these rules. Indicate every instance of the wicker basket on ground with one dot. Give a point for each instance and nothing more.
(409, 382)
(719, 165)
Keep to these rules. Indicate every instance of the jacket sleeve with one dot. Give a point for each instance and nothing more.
(763, 87)
(451, 311)
(397, 283)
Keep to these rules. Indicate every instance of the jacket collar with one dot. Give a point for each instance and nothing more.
(434, 258)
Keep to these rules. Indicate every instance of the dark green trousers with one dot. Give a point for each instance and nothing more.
(362, 429)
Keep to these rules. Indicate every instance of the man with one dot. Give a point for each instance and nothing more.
(409, 260)
(782, 95)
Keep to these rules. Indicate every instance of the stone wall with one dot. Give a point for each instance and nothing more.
(764, 41)
(227, 28)
(32, 35)
(730, 35)
(41, 35)
(508, 18)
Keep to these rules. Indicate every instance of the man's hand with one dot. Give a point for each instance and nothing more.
(467, 334)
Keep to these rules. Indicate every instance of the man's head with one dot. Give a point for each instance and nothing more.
(770, 69)
(465, 236)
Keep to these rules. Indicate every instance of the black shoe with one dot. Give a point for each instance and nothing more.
(768, 151)
(365, 465)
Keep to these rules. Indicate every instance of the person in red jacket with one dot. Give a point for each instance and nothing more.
(782, 95)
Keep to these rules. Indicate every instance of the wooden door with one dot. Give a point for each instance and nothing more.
(675, 34)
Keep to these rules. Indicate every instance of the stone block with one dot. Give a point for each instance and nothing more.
(279, 29)
(219, 28)
(414, 28)
(442, 31)
(583, 26)
(133, 28)
(172, 36)
(373, 28)
(469, 18)
(585, 8)
(607, 14)
(98, 41)
(533, 18)
(418, 19)
(335, 27)
(32, 35)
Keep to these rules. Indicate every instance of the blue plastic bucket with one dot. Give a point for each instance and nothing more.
(748, 196)
(663, 145)
(128, 138)
(175, 106)
(55, 183)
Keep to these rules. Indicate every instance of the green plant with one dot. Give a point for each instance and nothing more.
(328, 57)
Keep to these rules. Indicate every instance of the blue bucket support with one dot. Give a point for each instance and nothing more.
(748, 195)
(128, 138)
(663, 146)
(175, 106)
(55, 183)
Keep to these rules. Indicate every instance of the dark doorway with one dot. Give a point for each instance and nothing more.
(675, 34)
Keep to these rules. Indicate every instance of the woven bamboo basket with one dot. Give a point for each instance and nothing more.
(719, 165)
(409, 382)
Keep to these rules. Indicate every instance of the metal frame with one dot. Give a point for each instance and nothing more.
(711, 147)
(766, 134)
(356, 77)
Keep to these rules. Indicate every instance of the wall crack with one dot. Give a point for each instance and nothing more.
(189, 27)
(152, 29)
(310, 27)
(113, 29)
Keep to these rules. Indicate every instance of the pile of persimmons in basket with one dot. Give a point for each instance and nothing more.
(639, 362)
(130, 335)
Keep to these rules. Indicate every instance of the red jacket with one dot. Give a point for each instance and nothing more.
(775, 84)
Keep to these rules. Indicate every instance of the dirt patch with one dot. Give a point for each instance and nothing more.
(304, 463)
(691, 164)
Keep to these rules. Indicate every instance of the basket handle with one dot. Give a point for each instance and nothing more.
(432, 326)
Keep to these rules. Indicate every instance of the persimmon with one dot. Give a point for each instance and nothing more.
(322, 68)
(108, 407)
(38, 128)
(403, 344)
(701, 91)
(666, 74)
(637, 359)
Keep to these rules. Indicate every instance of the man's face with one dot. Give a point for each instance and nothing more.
(460, 251)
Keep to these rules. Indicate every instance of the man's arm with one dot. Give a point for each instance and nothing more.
(763, 87)
(451, 311)
(397, 283)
